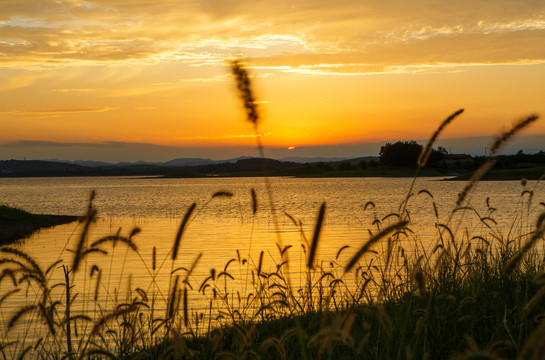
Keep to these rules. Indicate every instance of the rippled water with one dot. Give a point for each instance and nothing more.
(221, 226)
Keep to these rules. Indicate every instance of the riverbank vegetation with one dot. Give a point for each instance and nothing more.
(17, 224)
(511, 167)
(459, 167)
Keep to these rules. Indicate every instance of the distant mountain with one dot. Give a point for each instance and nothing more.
(179, 162)
(181, 166)
(39, 168)
(135, 163)
(302, 159)
(234, 160)
(91, 163)
(242, 165)
(356, 161)
(187, 162)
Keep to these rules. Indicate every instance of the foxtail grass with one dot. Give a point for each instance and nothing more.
(426, 151)
(316, 237)
(495, 147)
(424, 156)
(183, 224)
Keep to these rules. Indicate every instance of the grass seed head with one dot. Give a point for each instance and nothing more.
(245, 89)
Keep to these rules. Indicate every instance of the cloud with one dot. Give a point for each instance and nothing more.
(44, 144)
(206, 137)
(360, 36)
(467, 49)
(59, 111)
(72, 90)
(206, 79)
(17, 81)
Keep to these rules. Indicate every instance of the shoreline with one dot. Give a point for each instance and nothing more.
(533, 173)
(18, 224)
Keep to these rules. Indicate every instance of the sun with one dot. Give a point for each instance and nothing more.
(291, 148)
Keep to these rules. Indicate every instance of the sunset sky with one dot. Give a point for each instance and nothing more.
(122, 80)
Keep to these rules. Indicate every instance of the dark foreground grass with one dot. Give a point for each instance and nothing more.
(17, 224)
(477, 313)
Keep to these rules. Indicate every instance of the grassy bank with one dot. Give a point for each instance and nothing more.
(534, 173)
(479, 313)
(17, 224)
(315, 171)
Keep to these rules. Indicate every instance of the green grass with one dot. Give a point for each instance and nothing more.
(17, 224)
(379, 171)
(315, 171)
(533, 173)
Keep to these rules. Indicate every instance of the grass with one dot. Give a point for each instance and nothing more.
(532, 173)
(314, 170)
(477, 293)
(454, 316)
(17, 224)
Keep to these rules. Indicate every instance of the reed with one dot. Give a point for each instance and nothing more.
(315, 237)
(375, 238)
(183, 225)
(244, 86)
(426, 151)
(495, 147)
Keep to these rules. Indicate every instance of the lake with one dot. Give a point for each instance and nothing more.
(222, 225)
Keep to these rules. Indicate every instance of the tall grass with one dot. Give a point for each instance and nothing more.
(471, 295)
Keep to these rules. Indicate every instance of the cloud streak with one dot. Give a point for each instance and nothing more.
(380, 35)
(59, 111)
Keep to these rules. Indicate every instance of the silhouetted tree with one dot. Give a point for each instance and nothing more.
(400, 153)
(436, 157)
(405, 153)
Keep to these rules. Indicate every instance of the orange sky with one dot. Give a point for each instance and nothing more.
(75, 74)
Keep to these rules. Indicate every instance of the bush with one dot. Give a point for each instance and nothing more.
(400, 153)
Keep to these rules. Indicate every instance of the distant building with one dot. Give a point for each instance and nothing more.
(452, 159)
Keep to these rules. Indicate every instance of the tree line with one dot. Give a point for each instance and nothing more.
(405, 154)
